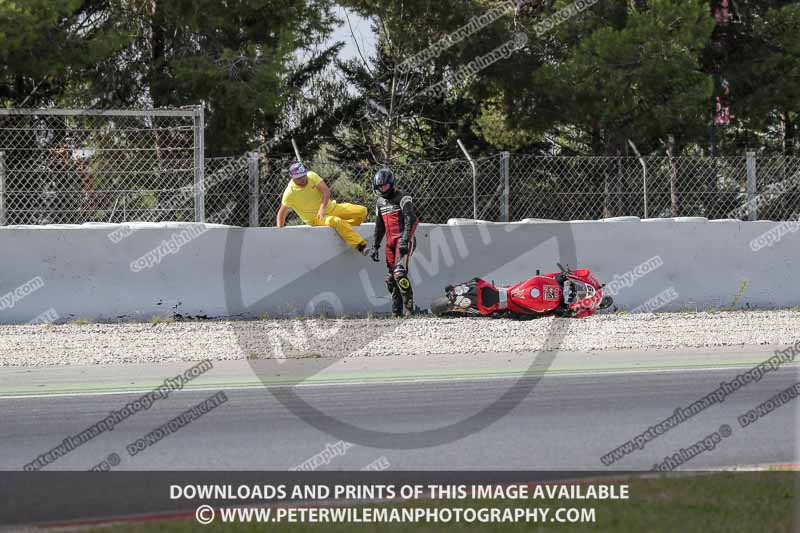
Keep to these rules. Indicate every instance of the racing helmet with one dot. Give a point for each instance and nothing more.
(382, 177)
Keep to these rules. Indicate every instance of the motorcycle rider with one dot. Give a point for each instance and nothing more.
(397, 219)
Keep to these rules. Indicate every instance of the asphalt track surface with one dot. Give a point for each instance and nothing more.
(568, 421)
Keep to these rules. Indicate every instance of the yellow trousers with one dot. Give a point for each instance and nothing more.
(342, 218)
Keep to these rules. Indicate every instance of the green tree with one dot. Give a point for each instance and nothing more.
(47, 44)
(236, 57)
(758, 53)
(397, 119)
(620, 71)
(240, 58)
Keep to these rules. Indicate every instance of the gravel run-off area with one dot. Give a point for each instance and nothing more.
(89, 344)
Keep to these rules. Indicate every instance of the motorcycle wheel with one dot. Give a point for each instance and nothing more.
(440, 306)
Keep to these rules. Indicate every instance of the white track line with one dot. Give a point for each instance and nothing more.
(386, 382)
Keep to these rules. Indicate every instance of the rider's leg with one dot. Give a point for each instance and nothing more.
(391, 285)
(403, 283)
(397, 298)
(406, 294)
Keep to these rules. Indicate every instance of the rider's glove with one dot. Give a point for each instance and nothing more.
(403, 248)
(376, 254)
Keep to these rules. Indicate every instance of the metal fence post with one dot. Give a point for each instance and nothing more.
(296, 151)
(752, 186)
(254, 176)
(199, 165)
(474, 179)
(2, 189)
(644, 175)
(505, 158)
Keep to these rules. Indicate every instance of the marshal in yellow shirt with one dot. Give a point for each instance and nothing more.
(306, 200)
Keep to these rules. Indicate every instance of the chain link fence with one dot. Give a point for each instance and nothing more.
(73, 166)
(516, 187)
(441, 189)
(119, 166)
(569, 188)
(588, 188)
(227, 196)
(778, 184)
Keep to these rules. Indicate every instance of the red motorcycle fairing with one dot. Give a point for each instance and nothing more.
(534, 296)
(538, 296)
(588, 292)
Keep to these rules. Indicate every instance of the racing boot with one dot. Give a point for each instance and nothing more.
(406, 293)
(397, 298)
(408, 300)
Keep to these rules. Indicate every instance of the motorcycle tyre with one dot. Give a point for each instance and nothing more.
(441, 306)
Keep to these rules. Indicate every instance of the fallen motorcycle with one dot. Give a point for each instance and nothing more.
(568, 293)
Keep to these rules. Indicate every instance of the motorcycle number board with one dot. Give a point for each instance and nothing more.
(550, 293)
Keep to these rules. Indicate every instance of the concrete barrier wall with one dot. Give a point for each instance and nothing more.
(79, 272)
